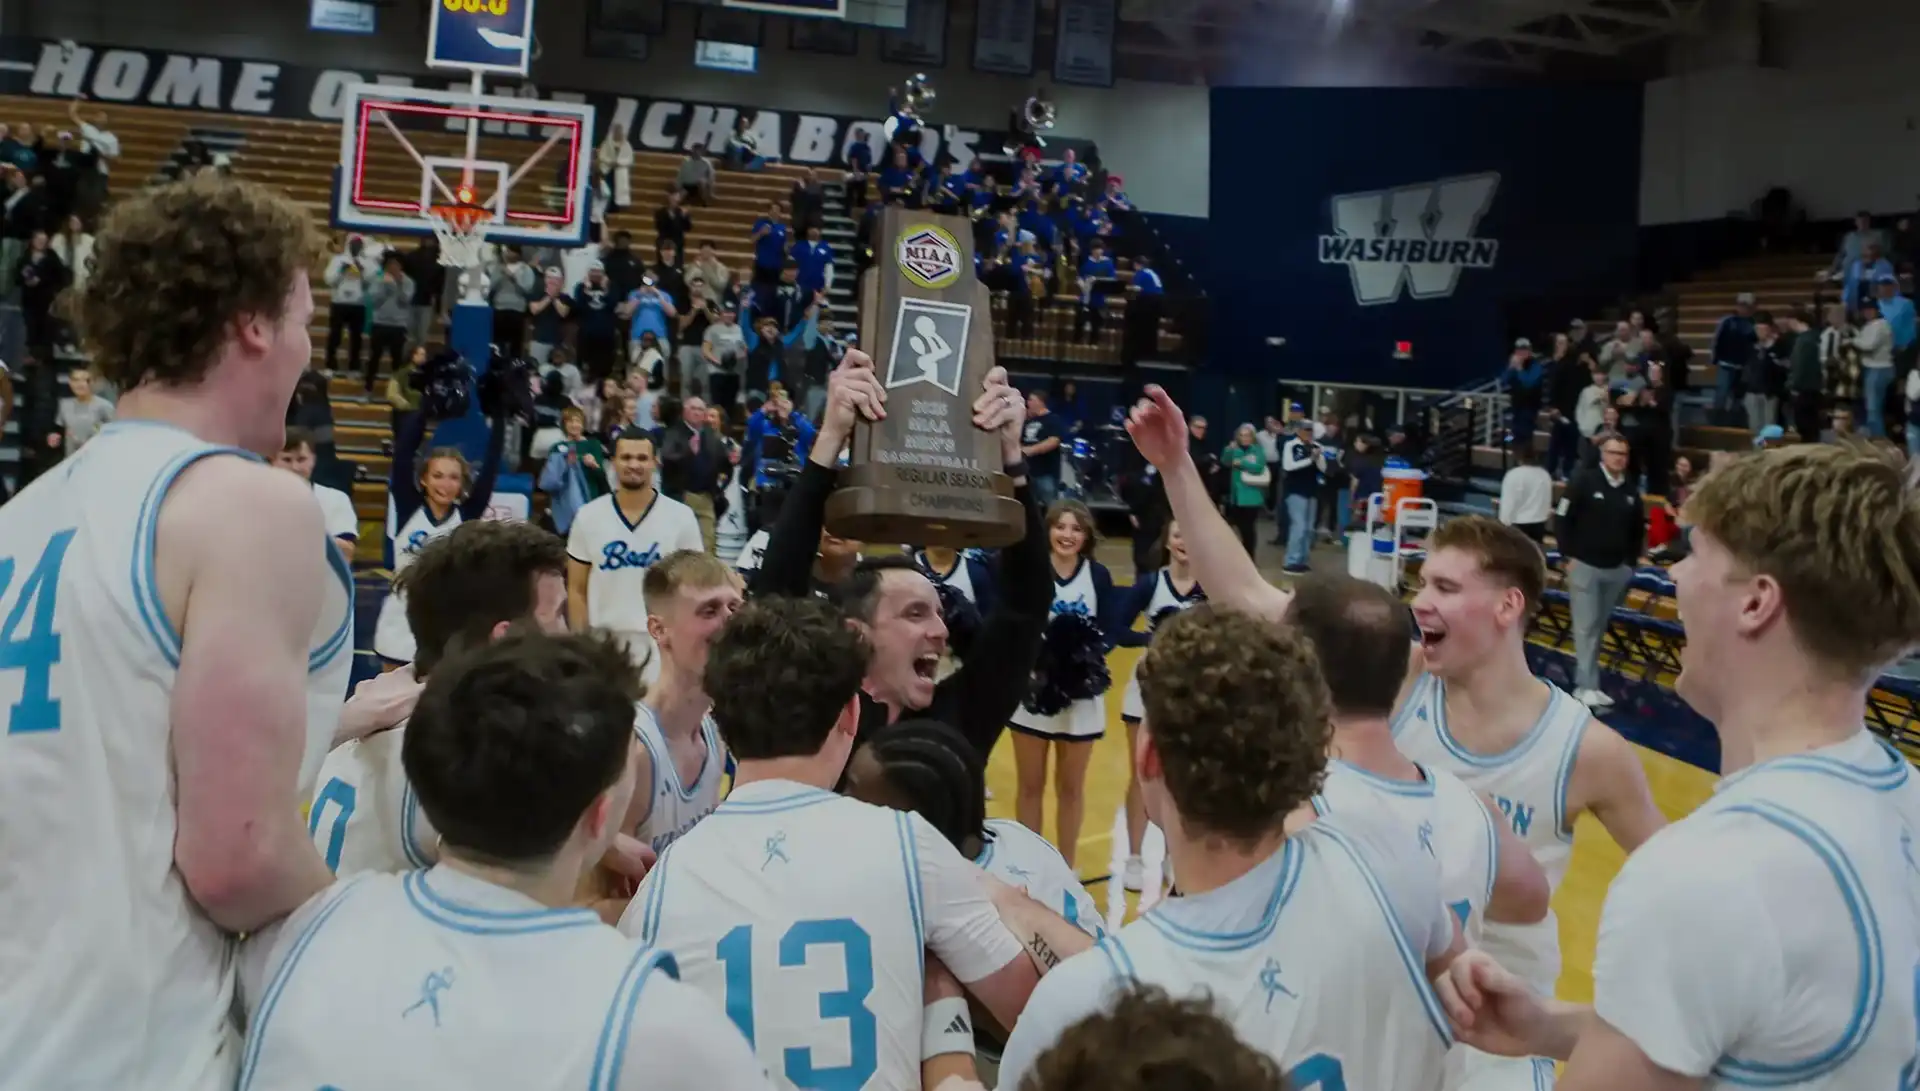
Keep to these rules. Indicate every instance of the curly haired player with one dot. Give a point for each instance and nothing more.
(1316, 946)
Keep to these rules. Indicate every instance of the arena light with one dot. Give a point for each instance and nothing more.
(368, 106)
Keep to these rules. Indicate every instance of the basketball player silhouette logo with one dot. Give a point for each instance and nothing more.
(931, 347)
(929, 344)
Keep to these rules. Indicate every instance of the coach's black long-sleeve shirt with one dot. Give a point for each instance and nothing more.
(978, 699)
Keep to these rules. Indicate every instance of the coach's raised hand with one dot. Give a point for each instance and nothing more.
(853, 392)
(1000, 408)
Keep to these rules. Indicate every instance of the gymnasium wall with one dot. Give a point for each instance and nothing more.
(1321, 197)
(1153, 133)
(1820, 99)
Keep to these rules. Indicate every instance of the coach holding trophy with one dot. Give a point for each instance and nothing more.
(892, 602)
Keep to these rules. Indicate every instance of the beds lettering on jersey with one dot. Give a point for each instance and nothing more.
(38, 651)
(735, 953)
(618, 555)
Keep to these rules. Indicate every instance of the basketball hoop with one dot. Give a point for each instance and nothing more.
(462, 231)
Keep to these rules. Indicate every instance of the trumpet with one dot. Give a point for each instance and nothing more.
(919, 94)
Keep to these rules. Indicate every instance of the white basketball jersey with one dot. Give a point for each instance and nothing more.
(436, 981)
(105, 933)
(1449, 823)
(806, 916)
(337, 509)
(392, 636)
(730, 530)
(618, 554)
(960, 578)
(1529, 783)
(1813, 986)
(365, 816)
(677, 806)
(1022, 858)
(1316, 958)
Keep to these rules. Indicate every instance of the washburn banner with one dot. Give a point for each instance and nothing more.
(123, 75)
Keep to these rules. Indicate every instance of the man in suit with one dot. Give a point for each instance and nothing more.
(690, 461)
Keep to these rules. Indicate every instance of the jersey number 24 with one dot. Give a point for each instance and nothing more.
(35, 653)
(735, 952)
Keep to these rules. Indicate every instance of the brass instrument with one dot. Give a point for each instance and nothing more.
(918, 95)
(1040, 114)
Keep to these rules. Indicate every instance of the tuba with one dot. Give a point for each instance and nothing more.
(918, 95)
(1039, 113)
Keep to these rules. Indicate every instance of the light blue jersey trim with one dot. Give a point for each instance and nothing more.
(1292, 858)
(409, 841)
(331, 647)
(806, 797)
(1415, 963)
(1493, 847)
(1542, 1074)
(1866, 931)
(1513, 753)
(146, 588)
(257, 1033)
(609, 1057)
(475, 921)
(1884, 779)
(910, 861)
(1416, 700)
(661, 768)
(1562, 821)
(656, 898)
(664, 765)
(1416, 789)
(1117, 957)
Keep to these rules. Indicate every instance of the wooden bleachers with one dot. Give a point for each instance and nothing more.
(299, 157)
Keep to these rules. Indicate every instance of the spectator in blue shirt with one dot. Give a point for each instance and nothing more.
(815, 261)
(1094, 270)
(769, 243)
(1116, 199)
(1898, 311)
(896, 179)
(776, 436)
(649, 309)
(1733, 341)
(1020, 289)
(1070, 173)
(1863, 274)
(1145, 307)
(1522, 383)
(784, 302)
(859, 165)
(594, 308)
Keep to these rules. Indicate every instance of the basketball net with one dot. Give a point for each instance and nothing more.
(462, 231)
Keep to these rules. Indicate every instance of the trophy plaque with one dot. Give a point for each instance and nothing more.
(925, 475)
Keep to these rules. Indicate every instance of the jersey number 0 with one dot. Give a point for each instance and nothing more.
(735, 952)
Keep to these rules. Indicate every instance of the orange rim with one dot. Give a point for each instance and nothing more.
(460, 217)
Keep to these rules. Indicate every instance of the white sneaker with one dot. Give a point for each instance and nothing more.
(1593, 698)
(1134, 876)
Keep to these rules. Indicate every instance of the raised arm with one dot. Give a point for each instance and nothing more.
(481, 495)
(245, 608)
(1220, 562)
(786, 568)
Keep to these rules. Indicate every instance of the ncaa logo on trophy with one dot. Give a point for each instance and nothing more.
(929, 256)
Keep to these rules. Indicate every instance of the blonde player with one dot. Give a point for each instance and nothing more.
(1358, 630)
(464, 588)
(1772, 937)
(807, 914)
(1479, 713)
(690, 595)
(479, 972)
(336, 507)
(1315, 946)
(615, 539)
(177, 631)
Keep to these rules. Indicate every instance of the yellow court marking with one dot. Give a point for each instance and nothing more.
(1677, 787)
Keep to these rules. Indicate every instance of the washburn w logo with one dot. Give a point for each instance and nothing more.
(1414, 237)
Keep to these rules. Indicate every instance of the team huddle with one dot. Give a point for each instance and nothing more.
(519, 861)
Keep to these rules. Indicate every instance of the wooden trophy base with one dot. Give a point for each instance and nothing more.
(915, 505)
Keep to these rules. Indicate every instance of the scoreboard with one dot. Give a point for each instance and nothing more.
(481, 36)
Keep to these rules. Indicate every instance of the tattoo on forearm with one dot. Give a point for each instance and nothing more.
(1042, 951)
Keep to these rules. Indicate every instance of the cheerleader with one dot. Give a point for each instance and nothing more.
(1081, 585)
(422, 505)
(1159, 595)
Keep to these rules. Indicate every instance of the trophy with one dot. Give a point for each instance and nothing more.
(925, 474)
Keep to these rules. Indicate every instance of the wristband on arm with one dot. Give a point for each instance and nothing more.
(946, 1027)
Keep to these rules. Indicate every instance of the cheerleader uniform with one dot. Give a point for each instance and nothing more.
(411, 525)
(1158, 599)
(971, 576)
(1089, 591)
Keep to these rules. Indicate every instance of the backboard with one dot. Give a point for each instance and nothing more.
(404, 150)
